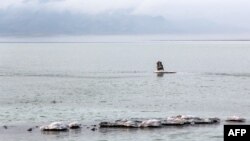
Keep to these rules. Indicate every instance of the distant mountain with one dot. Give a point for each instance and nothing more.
(49, 23)
(37, 22)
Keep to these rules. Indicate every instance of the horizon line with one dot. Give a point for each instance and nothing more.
(90, 42)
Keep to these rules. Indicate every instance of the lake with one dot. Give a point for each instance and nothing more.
(99, 81)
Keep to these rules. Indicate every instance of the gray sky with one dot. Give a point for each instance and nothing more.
(52, 17)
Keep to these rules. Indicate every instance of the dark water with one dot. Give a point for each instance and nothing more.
(91, 82)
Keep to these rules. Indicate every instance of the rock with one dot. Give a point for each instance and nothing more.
(127, 123)
(93, 129)
(131, 124)
(74, 125)
(5, 127)
(55, 126)
(205, 121)
(188, 120)
(107, 124)
(178, 120)
(214, 120)
(150, 123)
(119, 124)
(30, 129)
(188, 117)
(235, 119)
(174, 122)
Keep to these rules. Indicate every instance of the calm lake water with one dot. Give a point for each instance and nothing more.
(96, 81)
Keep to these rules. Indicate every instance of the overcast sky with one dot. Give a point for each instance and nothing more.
(69, 17)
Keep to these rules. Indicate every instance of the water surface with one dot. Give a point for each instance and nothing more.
(92, 82)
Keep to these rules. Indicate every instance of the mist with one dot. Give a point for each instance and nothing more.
(129, 17)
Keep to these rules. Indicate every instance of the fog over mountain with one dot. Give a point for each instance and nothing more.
(95, 17)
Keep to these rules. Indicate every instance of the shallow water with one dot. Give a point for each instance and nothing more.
(92, 82)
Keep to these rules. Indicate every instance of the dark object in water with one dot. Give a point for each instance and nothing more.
(30, 129)
(235, 119)
(160, 69)
(159, 66)
(74, 127)
(5, 127)
(54, 102)
(93, 129)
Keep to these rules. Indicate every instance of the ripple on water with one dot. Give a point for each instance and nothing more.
(158, 139)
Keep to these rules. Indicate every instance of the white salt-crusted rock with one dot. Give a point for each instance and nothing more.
(55, 126)
(188, 117)
(74, 125)
(235, 119)
(120, 124)
(126, 123)
(150, 123)
(130, 123)
(174, 121)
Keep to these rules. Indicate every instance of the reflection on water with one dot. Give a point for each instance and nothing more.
(61, 133)
(160, 74)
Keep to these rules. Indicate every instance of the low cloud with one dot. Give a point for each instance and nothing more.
(43, 17)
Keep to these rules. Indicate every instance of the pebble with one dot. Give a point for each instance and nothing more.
(74, 125)
(54, 102)
(30, 129)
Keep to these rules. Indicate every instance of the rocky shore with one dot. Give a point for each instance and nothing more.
(173, 121)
